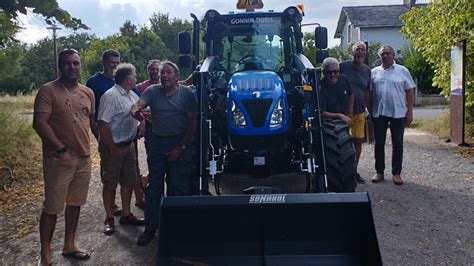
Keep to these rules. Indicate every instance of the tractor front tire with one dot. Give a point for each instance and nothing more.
(340, 154)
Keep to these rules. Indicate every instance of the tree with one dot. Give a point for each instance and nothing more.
(91, 58)
(421, 70)
(434, 30)
(10, 68)
(9, 10)
(309, 47)
(168, 30)
(144, 46)
(38, 66)
(336, 52)
(23, 68)
(78, 41)
(128, 29)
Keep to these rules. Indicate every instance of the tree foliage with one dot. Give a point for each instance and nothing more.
(136, 45)
(435, 29)
(167, 29)
(309, 47)
(420, 69)
(10, 66)
(341, 55)
(24, 68)
(10, 9)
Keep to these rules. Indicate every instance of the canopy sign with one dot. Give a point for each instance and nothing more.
(249, 4)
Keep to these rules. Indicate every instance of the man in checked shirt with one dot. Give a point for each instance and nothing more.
(118, 131)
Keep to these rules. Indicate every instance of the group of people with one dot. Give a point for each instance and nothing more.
(351, 92)
(119, 111)
(112, 105)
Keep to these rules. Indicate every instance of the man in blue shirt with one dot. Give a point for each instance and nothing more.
(102, 81)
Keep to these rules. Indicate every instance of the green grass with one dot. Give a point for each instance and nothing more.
(437, 126)
(20, 167)
(20, 147)
(18, 104)
(440, 127)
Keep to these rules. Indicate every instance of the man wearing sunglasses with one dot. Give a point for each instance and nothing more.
(337, 100)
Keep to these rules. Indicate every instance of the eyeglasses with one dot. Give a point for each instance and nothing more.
(329, 72)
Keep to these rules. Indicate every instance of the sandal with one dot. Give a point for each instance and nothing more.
(77, 255)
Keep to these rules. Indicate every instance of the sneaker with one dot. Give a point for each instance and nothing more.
(146, 237)
(131, 220)
(359, 179)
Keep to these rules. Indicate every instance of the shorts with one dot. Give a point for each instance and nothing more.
(358, 130)
(120, 169)
(65, 184)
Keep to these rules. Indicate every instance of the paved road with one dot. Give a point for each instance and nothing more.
(429, 112)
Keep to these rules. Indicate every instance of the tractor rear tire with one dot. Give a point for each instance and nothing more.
(340, 154)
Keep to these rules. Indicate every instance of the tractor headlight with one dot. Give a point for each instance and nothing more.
(277, 114)
(238, 118)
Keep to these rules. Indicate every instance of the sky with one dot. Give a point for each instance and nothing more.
(105, 17)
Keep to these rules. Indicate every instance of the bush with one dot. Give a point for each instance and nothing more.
(420, 70)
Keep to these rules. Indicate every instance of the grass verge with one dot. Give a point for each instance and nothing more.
(20, 167)
(440, 127)
(437, 126)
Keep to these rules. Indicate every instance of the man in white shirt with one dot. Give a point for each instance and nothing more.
(392, 106)
(118, 130)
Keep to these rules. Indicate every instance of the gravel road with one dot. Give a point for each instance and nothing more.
(427, 221)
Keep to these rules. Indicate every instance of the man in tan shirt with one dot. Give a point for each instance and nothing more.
(63, 113)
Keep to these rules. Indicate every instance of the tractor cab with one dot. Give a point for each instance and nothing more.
(251, 88)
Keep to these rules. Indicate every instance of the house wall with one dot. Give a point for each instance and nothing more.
(344, 37)
(385, 35)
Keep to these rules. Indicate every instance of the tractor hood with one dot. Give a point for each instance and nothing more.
(257, 104)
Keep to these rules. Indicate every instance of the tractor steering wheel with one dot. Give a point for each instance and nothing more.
(245, 59)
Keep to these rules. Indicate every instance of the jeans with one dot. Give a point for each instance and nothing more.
(177, 173)
(397, 129)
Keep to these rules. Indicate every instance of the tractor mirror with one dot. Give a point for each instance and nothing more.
(321, 36)
(184, 61)
(184, 42)
(321, 55)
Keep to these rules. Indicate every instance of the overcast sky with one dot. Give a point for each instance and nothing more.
(104, 17)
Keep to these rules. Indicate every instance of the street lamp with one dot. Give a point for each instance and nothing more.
(55, 29)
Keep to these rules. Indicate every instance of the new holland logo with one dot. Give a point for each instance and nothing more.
(271, 198)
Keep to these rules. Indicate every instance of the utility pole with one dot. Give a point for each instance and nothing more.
(54, 28)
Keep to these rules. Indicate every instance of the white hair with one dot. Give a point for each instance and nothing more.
(386, 46)
(357, 44)
(330, 61)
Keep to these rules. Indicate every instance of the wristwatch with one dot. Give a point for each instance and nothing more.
(61, 150)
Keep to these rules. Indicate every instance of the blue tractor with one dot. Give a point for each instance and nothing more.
(259, 101)
(259, 114)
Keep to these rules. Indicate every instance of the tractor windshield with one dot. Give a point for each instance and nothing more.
(252, 43)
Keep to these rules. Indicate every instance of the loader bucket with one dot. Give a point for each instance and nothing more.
(268, 229)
